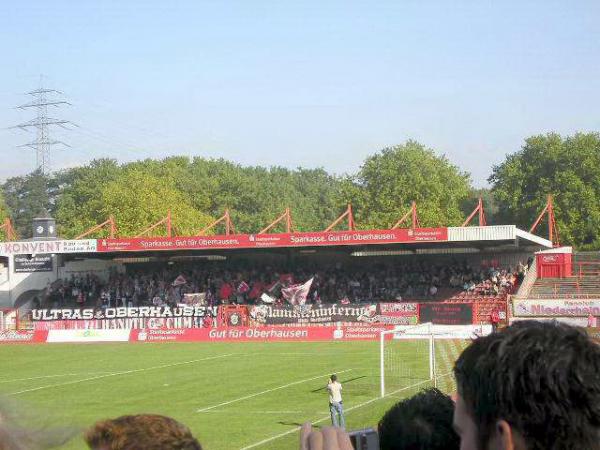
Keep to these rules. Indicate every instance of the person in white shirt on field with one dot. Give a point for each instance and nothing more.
(336, 408)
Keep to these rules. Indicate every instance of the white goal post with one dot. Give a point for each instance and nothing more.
(422, 355)
(422, 332)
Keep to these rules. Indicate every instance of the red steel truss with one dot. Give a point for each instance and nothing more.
(226, 219)
(166, 221)
(110, 222)
(411, 213)
(552, 229)
(347, 214)
(9, 230)
(289, 225)
(479, 209)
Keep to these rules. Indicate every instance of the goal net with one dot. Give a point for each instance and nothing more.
(419, 356)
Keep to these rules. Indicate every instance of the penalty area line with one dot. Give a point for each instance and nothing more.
(125, 372)
(256, 394)
(360, 405)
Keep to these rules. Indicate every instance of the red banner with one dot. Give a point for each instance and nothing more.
(259, 334)
(235, 241)
(22, 336)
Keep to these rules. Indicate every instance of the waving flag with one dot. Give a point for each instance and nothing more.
(297, 293)
(179, 281)
(243, 287)
(267, 299)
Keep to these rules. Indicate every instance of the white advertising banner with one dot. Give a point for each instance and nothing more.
(118, 335)
(556, 308)
(42, 247)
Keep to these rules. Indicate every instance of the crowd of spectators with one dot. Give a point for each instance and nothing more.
(241, 284)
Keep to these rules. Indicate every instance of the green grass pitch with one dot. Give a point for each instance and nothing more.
(232, 395)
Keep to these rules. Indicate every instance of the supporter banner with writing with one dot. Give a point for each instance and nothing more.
(556, 308)
(123, 313)
(37, 263)
(309, 314)
(393, 314)
(275, 240)
(446, 313)
(399, 309)
(135, 323)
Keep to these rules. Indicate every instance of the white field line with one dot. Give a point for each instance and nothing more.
(53, 376)
(125, 372)
(256, 394)
(245, 411)
(360, 405)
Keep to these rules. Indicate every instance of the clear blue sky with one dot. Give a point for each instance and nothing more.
(300, 83)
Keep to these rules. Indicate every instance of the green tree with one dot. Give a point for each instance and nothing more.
(79, 204)
(27, 197)
(390, 180)
(569, 169)
(138, 199)
(257, 195)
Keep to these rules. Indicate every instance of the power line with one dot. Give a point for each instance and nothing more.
(42, 99)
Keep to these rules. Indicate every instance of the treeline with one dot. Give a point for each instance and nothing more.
(198, 190)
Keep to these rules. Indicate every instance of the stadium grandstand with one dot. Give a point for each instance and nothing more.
(477, 266)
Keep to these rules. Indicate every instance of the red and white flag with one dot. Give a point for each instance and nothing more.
(297, 293)
(243, 287)
(179, 281)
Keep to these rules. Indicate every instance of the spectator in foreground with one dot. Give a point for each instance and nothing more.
(421, 422)
(19, 431)
(141, 432)
(328, 438)
(531, 386)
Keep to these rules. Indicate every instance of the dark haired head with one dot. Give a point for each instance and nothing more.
(334, 377)
(535, 384)
(422, 422)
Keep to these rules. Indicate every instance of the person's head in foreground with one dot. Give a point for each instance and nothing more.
(141, 432)
(23, 429)
(421, 422)
(531, 386)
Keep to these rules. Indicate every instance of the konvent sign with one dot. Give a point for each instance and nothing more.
(45, 247)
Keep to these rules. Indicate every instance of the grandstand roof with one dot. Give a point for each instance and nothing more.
(426, 240)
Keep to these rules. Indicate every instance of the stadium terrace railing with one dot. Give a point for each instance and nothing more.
(528, 281)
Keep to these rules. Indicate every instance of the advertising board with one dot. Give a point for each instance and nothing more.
(260, 334)
(556, 308)
(22, 336)
(446, 313)
(314, 239)
(50, 246)
(37, 263)
(88, 335)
